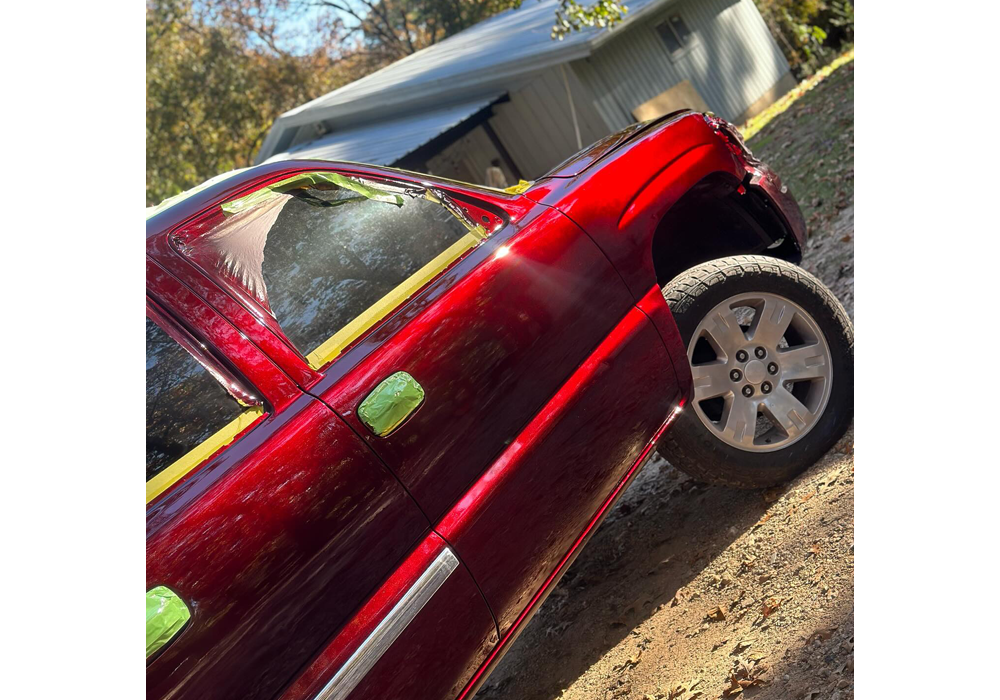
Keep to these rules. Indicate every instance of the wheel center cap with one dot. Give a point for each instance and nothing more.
(755, 371)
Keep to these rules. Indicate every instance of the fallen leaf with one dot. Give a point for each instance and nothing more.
(808, 496)
(628, 663)
(846, 239)
(745, 673)
(770, 605)
(814, 549)
(716, 613)
(773, 494)
(821, 635)
(764, 519)
(681, 690)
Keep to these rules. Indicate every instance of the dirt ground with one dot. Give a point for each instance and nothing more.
(685, 587)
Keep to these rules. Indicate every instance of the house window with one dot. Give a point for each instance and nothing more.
(675, 34)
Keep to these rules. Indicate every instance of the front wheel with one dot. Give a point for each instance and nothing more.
(771, 352)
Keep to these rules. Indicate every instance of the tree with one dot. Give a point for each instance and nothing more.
(211, 95)
(219, 72)
(808, 31)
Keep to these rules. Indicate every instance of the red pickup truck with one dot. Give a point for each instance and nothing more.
(385, 410)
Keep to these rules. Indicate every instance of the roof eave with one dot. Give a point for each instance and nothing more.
(413, 97)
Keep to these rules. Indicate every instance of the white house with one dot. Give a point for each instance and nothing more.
(504, 89)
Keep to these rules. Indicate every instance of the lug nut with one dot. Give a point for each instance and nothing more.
(766, 387)
(760, 352)
(736, 375)
(772, 367)
(741, 355)
(748, 390)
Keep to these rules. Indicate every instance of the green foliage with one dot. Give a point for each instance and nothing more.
(572, 16)
(212, 94)
(809, 32)
(219, 72)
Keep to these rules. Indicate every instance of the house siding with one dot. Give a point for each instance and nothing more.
(536, 126)
(732, 62)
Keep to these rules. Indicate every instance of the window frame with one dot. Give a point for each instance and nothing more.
(255, 407)
(321, 359)
(685, 48)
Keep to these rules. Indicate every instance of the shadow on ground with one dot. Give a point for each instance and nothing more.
(631, 618)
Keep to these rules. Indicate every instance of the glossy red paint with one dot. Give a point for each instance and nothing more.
(621, 202)
(551, 365)
(275, 555)
(532, 607)
(490, 344)
(655, 307)
(293, 525)
(456, 621)
(561, 467)
(214, 329)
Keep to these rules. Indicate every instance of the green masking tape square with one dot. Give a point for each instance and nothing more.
(166, 615)
(395, 398)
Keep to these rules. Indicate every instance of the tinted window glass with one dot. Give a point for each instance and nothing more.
(184, 403)
(325, 265)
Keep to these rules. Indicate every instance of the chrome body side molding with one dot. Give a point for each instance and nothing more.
(388, 630)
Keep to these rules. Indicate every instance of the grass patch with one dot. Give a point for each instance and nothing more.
(755, 124)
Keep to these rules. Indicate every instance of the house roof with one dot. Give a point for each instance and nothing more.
(469, 66)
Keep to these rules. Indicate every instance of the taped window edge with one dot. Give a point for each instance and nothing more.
(180, 197)
(185, 464)
(521, 187)
(237, 248)
(309, 179)
(333, 346)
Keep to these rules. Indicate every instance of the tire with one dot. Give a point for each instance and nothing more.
(719, 451)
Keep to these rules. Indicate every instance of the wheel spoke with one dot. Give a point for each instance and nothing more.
(804, 365)
(787, 412)
(725, 330)
(710, 380)
(804, 362)
(771, 322)
(741, 420)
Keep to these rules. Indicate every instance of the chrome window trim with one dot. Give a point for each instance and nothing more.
(392, 625)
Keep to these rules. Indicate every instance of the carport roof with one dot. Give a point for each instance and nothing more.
(383, 143)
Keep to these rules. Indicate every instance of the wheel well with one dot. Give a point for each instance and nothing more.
(713, 220)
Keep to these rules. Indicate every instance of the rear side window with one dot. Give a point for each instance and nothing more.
(329, 256)
(186, 406)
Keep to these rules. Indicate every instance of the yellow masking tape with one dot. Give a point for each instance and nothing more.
(169, 476)
(377, 311)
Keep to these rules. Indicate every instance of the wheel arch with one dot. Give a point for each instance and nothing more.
(719, 216)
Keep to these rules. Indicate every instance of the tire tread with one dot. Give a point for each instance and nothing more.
(685, 289)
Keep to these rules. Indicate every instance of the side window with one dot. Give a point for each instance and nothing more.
(189, 413)
(674, 33)
(330, 256)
